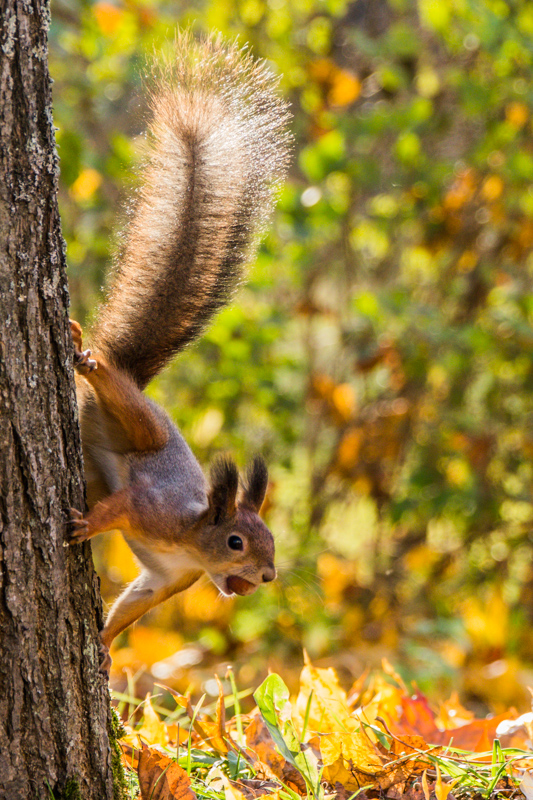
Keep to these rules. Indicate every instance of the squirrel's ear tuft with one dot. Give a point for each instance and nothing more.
(255, 483)
(224, 485)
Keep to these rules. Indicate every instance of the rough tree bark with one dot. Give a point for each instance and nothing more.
(54, 705)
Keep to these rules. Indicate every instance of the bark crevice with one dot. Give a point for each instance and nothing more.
(54, 705)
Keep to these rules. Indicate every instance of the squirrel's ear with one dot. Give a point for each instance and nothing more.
(224, 485)
(255, 484)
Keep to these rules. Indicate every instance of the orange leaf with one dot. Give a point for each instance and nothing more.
(349, 449)
(477, 736)
(346, 88)
(417, 718)
(344, 401)
(160, 778)
(108, 17)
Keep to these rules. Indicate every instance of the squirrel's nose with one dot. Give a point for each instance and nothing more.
(269, 574)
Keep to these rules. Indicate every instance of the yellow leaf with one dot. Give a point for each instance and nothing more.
(442, 790)
(349, 759)
(231, 791)
(427, 82)
(153, 731)
(487, 620)
(86, 184)
(458, 472)
(381, 700)
(425, 787)
(517, 114)
(328, 709)
(146, 647)
(492, 188)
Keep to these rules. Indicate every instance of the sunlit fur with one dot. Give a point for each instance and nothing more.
(216, 151)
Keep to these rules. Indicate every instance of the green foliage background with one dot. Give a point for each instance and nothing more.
(380, 354)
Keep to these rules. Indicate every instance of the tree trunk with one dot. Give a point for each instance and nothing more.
(54, 704)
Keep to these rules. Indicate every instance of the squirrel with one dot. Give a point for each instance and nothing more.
(217, 149)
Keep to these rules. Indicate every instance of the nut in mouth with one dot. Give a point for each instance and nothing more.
(241, 586)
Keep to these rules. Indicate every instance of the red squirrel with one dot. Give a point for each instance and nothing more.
(217, 149)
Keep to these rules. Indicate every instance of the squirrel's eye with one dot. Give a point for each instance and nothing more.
(235, 543)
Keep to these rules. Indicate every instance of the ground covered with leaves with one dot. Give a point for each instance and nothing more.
(380, 739)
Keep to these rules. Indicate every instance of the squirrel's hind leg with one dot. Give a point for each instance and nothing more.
(147, 590)
(132, 417)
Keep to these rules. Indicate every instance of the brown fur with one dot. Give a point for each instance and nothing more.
(216, 151)
(175, 524)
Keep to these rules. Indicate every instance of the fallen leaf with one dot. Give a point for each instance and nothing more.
(322, 701)
(418, 719)
(442, 790)
(153, 731)
(526, 786)
(425, 786)
(261, 743)
(381, 699)
(160, 778)
(516, 732)
(477, 736)
(349, 759)
(251, 788)
(452, 714)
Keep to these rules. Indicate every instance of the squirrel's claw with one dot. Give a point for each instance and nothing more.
(83, 363)
(105, 659)
(79, 527)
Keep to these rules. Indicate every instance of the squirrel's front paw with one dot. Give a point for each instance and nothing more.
(83, 363)
(79, 527)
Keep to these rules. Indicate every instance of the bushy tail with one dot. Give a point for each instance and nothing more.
(217, 150)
